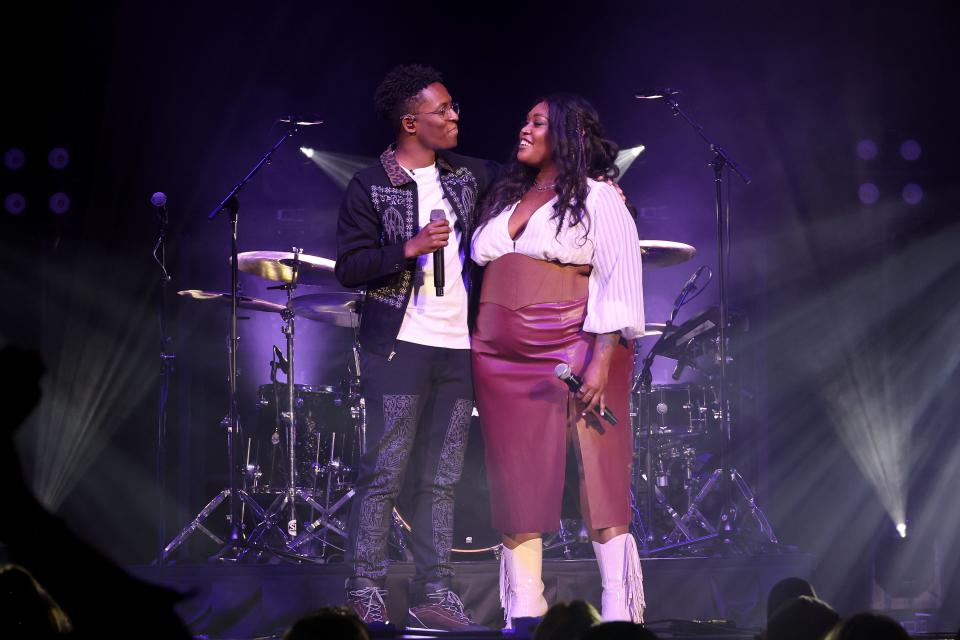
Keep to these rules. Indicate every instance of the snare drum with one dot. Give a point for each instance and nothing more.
(326, 438)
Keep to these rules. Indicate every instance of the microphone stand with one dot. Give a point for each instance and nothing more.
(166, 370)
(721, 159)
(233, 493)
(231, 206)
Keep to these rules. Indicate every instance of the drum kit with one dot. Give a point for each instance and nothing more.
(308, 438)
(299, 473)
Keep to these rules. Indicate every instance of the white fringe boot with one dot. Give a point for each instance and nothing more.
(521, 584)
(622, 579)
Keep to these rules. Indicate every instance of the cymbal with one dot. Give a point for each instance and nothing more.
(244, 302)
(340, 308)
(278, 266)
(665, 253)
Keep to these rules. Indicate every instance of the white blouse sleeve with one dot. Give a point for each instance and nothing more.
(616, 281)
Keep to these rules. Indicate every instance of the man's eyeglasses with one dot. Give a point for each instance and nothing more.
(444, 111)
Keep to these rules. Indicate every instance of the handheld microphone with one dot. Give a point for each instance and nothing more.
(159, 200)
(438, 214)
(573, 381)
(655, 94)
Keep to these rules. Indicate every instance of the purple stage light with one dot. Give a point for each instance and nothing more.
(58, 158)
(910, 150)
(14, 159)
(868, 193)
(912, 193)
(15, 204)
(866, 149)
(59, 203)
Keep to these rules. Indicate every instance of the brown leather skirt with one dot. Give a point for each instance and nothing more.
(531, 318)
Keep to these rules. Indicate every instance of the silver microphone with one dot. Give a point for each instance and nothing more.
(565, 373)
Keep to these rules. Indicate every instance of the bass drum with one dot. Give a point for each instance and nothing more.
(473, 537)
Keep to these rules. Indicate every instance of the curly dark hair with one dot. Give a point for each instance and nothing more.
(580, 151)
(400, 87)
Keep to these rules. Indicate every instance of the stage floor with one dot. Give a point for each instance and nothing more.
(260, 600)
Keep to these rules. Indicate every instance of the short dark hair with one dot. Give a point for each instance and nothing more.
(329, 622)
(801, 618)
(399, 87)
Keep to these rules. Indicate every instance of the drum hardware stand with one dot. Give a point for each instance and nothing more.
(197, 524)
(643, 383)
(293, 538)
(288, 500)
(327, 522)
(693, 512)
(400, 537)
(565, 538)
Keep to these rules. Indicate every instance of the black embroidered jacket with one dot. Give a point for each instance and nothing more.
(378, 215)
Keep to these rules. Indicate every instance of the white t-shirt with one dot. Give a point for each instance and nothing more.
(429, 319)
(611, 246)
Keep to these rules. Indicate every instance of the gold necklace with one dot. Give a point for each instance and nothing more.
(543, 187)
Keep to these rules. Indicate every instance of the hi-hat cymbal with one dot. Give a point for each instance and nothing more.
(340, 308)
(244, 302)
(665, 253)
(278, 266)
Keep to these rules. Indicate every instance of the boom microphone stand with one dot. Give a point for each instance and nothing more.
(230, 205)
(721, 160)
(159, 200)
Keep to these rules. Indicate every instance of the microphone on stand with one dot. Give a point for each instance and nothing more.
(280, 360)
(301, 120)
(655, 94)
(438, 278)
(573, 381)
(159, 200)
(691, 285)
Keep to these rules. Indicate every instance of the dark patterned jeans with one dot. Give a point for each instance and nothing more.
(420, 400)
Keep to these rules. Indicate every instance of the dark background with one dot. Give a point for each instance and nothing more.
(184, 98)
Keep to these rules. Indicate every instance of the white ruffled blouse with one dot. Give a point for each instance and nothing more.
(611, 246)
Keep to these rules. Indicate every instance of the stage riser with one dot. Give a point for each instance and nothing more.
(239, 601)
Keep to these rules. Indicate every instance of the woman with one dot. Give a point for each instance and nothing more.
(562, 284)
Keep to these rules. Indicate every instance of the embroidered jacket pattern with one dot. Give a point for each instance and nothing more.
(379, 213)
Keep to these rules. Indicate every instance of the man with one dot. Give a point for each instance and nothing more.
(415, 343)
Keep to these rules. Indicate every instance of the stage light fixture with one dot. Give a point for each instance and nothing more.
(58, 158)
(867, 149)
(15, 204)
(14, 159)
(902, 529)
(626, 157)
(59, 203)
(910, 150)
(868, 193)
(340, 167)
(912, 193)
